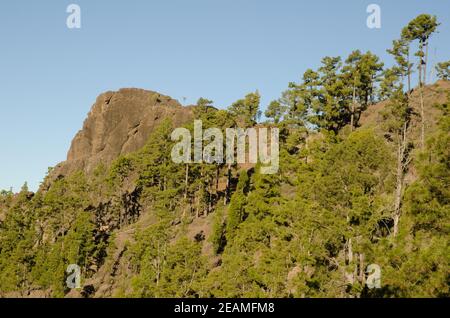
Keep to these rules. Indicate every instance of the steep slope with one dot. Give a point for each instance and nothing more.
(432, 94)
(114, 278)
(142, 211)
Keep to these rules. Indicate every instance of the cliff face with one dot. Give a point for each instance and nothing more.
(119, 123)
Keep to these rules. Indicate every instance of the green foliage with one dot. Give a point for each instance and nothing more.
(247, 109)
(443, 70)
(236, 210)
(428, 198)
(120, 169)
(308, 231)
(336, 93)
(276, 111)
(218, 231)
(17, 240)
(420, 28)
(204, 106)
(164, 269)
(400, 52)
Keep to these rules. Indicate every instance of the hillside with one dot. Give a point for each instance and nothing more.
(122, 211)
(356, 202)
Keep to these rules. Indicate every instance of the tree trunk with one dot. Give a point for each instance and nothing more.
(398, 192)
(409, 75)
(426, 63)
(62, 233)
(227, 191)
(402, 162)
(217, 178)
(422, 121)
(350, 276)
(210, 199)
(350, 251)
(197, 204)
(421, 64)
(186, 180)
(352, 117)
(361, 269)
(420, 72)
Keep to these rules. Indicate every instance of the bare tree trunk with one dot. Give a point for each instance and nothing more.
(355, 268)
(353, 108)
(398, 193)
(350, 276)
(217, 178)
(422, 116)
(209, 209)
(420, 66)
(186, 180)
(197, 205)
(426, 63)
(227, 191)
(350, 251)
(409, 75)
(361, 269)
(402, 163)
(62, 232)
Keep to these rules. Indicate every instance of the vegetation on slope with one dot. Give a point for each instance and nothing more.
(346, 195)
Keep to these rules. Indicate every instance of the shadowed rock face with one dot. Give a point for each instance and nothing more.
(119, 123)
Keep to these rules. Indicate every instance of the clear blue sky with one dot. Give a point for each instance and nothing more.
(219, 49)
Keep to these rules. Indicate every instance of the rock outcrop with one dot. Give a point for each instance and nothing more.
(119, 123)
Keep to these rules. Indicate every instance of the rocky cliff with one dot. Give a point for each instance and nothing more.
(119, 123)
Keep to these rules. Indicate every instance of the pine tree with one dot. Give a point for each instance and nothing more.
(275, 111)
(247, 109)
(237, 205)
(443, 70)
(421, 28)
(360, 73)
(400, 52)
(397, 118)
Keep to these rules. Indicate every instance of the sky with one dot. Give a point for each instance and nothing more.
(50, 75)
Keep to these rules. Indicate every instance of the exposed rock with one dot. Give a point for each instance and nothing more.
(119, 123)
